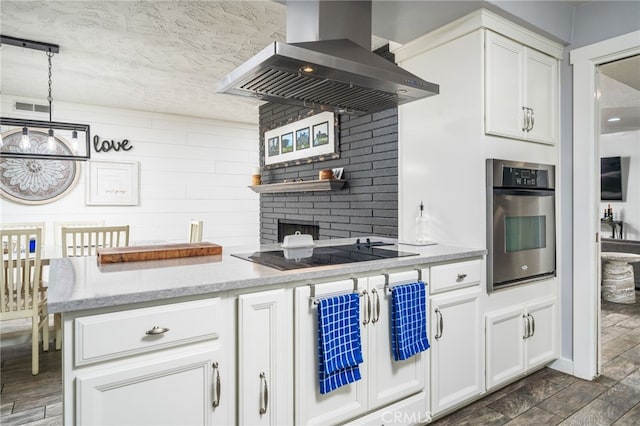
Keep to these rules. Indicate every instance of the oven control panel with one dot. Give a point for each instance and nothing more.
(524, 178)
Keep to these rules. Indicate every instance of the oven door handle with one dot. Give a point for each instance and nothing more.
(524, 192)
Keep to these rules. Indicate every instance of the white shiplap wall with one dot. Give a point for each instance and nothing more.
(189, 168)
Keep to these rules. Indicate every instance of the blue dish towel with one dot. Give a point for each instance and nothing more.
(408, 320)
(339, 343)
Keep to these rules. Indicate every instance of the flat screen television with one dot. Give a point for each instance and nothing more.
(610, 178)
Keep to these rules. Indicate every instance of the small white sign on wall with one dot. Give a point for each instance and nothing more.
(112, 183)
(310, 137)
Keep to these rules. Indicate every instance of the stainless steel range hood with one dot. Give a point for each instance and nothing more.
(326, 64)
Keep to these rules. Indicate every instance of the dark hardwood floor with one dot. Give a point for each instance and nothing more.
(546, 397)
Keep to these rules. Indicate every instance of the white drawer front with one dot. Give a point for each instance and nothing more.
(455, 275)
(409, 411)
(118, 334)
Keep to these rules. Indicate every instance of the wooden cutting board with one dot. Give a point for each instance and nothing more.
(156, 252)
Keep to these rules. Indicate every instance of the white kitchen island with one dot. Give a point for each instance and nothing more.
(220, 340)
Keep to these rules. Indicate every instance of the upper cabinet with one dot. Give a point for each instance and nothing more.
(521, 91)
(499, 98)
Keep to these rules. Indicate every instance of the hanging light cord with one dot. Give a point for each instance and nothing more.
(50, 98)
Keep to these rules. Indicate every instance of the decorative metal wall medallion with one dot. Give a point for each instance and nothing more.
(36, 181)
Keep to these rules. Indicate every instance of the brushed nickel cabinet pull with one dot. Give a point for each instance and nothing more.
(461, 277)
(157, 330)
(264, 403)
(525, 121)
(526, 327)
(533, 325)
(367, 315)
(532, 120)
(376, 318)
(216, 399)
(440, 323)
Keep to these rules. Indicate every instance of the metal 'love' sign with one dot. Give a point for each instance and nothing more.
(110, 145)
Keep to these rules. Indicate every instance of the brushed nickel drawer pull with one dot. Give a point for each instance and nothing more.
(157, 330)
(461, 277)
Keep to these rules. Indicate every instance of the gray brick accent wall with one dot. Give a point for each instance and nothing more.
(367, 204)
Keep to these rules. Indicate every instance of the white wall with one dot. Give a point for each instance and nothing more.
(627, 146)
(189, 168)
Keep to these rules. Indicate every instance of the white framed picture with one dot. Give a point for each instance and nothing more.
(310, 139)
(111, 183)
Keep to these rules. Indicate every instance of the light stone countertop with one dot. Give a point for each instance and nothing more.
(80, 283)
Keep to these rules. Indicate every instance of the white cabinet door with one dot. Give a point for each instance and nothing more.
(520, 339)
(265, 364)
(175, 390)
(389, 380)
(384, 380)
(505, 335)
(313, 408)
(456, 348)
(542, 344)
(521, 91)
(504, 86)
(540, 94)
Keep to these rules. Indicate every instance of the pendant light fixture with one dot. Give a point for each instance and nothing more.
(51, 142)
(27, 138)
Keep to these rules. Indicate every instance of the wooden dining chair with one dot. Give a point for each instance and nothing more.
(57, 233)
(20, 225)
(83, 241)
(21, 292)
(195, 231)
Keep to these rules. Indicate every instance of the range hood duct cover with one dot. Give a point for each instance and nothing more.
(346, 76)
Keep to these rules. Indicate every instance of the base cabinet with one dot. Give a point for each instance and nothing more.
(520, 339)
(388, 380)
(174, 390)
(265, 349)
(384, 381)
(456, 348)
(166, 364)
(252, 359)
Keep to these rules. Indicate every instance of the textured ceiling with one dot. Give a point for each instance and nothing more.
(165, 56)
(145, 55)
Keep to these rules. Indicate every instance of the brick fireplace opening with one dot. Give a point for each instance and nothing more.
(288, 227)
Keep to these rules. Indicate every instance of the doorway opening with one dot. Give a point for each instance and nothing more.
(618, 146)
(585, 290)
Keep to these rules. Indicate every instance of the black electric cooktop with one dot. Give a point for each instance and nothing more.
(299, 258)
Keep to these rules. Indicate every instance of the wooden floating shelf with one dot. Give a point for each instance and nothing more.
(303, 186)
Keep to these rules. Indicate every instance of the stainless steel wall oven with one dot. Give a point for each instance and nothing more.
(521, 232)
